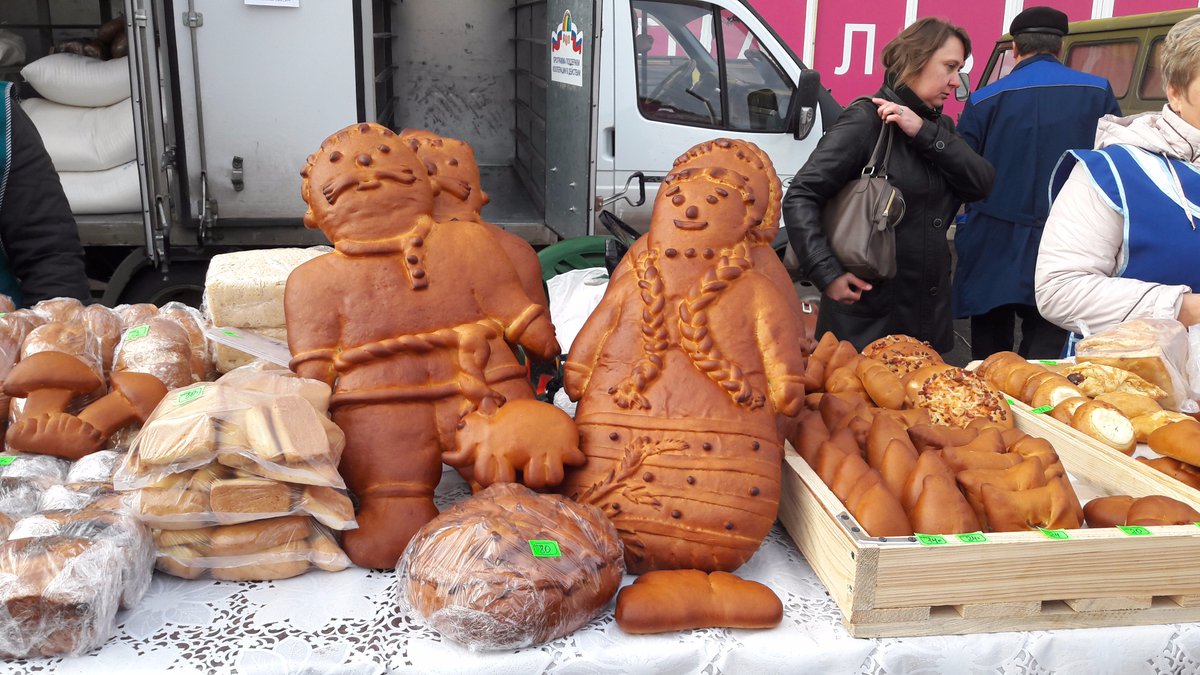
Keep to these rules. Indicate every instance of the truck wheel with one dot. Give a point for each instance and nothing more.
(184, 283)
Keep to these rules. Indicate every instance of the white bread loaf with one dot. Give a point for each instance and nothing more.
(245, 288)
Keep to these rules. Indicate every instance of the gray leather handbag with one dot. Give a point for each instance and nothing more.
(860, 222)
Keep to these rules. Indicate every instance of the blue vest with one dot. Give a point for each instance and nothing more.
(1161, 241)
(8, 282)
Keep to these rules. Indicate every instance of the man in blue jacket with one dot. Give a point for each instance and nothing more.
(1022, 124)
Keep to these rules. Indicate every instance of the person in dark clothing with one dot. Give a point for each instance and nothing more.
(41, 257)
(1022, 124)
(932, 167)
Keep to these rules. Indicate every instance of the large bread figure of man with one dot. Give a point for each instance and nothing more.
(408, 321)
(680, 374)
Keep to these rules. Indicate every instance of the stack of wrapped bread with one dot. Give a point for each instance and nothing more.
(910, 444)
(243, 290)
(239, 477)
(70, 557)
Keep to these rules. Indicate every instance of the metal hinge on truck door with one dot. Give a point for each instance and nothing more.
(193, 19)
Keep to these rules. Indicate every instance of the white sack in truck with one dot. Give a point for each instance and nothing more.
(245, 288)
(12, 48)
(84, 139)
(114, 190)
(72, 79)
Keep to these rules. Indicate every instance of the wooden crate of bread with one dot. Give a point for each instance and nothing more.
(1002, 581)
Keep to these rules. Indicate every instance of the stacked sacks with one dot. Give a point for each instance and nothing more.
(86, 121)
(244, 290)
(239, 478)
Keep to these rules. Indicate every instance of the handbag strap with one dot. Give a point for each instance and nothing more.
(883, 146)
(877, 166)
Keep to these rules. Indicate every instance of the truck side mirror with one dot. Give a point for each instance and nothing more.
(802, 108)
(963, 91)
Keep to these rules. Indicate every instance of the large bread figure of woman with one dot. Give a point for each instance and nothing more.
(408, 321)
(679, 374)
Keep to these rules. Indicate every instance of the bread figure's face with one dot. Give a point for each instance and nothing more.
(701, 208)
(451, 164)
(365, 184)
(748, 161)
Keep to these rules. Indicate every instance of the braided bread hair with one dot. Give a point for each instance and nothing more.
(696, 341)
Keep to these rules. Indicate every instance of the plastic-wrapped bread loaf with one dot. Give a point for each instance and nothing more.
(64, 574)
(509, 568)
(59, 309)
(264, 549)
(245, 288)
(193, 322)
(135, 315)
(159, 347)
(105, 324)
(69, 337)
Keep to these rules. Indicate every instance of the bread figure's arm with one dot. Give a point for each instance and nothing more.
(313, 323)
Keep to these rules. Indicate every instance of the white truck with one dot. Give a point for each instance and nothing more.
(568, 104)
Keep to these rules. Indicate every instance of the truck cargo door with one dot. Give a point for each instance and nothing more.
(155, 124)
(572, 31)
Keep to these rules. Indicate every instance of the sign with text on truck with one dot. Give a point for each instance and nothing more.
(231, 98)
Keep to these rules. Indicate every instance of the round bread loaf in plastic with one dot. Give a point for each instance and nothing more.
(509, 568)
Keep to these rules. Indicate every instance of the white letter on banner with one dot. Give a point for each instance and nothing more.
(848, 43)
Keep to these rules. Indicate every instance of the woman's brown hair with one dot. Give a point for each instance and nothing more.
(908, 52)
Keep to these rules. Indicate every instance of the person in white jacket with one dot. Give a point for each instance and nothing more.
(1121, 239)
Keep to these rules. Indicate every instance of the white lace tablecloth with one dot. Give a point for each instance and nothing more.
(348, 623)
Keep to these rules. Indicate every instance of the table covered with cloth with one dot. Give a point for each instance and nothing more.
(349, 622)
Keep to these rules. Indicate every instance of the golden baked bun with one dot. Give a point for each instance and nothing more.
(1130, 405)
(1144, 425)
(1184, 473)
(670, 600)
(956, 397)
(1106, 424)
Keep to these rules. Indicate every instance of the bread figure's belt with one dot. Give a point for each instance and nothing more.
(427, 392)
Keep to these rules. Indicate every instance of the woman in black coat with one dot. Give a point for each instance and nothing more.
(932, 167)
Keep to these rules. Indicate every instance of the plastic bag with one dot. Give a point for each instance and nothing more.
(269, 378)
(135, 315)
(282, 438)
(97, 467)
(219, 495)
(193, 322)
(59, 309)
(1154, 349)
(265, 549)
(132, 539)
(64, 574)
(23, 480)
(159, 347)
(509, 568)
(573, 296)
(106, 325)
(70, 337)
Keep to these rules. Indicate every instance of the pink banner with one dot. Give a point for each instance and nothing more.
(851, 34)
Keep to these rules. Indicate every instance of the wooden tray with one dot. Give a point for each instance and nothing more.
(895, 587)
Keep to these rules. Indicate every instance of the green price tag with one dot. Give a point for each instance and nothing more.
(972, 538)
(1046, 362)
(544, 548)
(137, 332)
(1041, 410)
(230, 333)
(1135, 530)
(1010, 401)
(5, 461)
(189, 395)
(932, 540)
(1055, 534)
